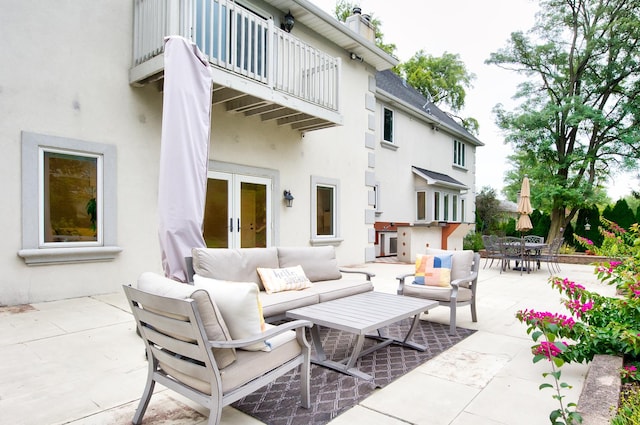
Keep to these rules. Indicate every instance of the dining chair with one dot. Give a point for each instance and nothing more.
(492, 249)
(513, 249)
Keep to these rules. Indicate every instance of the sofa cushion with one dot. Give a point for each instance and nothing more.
(212, 319)
(334, 289)
(461, 261)
(250, 365)
(435, 293)
(240, 306)
(278, 303)
(318, 262)
(433, 270)
(235, 265)
(285, 279)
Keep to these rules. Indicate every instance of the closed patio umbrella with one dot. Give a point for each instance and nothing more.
(524, 207)
(184, 154)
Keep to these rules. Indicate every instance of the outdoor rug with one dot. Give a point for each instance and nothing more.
(332, 392)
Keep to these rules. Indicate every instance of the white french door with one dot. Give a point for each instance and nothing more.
(237, 211)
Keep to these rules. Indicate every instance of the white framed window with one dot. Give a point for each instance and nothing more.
(439, 205)
(387, 125)
(421, 205)
(377, 198)
(463, 211)
(68, 200)
(325, 225)
(454, 208)
(459, 154)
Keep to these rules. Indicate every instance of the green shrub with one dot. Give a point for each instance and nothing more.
(473, 241)
(629, 409)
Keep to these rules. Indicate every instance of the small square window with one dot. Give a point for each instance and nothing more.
(325, 226)
(459, 153)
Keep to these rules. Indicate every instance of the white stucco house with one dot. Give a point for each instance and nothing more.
(297, 110)
(425, 168)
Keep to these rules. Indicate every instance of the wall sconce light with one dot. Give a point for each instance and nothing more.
(288, 22)
(587, 225)
(355, 57)
(288, 198)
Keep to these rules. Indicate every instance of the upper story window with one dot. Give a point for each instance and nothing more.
(387, 128)
(325, 226)
(68, 200)
(459, 153)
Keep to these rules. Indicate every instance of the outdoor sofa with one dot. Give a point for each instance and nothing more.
(319, 264)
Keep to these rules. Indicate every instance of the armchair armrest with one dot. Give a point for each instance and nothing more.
(369, 275)
(473, 276)
(270, 333)
(401, 279)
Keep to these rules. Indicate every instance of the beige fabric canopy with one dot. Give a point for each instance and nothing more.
(524, 207)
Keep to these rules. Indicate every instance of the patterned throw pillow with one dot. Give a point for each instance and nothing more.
(287, 279)
(433, 270)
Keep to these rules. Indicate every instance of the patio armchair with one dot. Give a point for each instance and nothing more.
(189, 349)
(460, 290)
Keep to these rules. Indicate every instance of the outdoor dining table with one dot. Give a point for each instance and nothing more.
(532, 252)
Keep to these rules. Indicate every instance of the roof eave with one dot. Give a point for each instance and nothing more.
(321, 22)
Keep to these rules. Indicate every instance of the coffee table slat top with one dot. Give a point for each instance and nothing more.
(362, 313)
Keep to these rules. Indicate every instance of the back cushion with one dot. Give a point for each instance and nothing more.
(236, 265)
(212, 320)
(318, 262)
(461, 261)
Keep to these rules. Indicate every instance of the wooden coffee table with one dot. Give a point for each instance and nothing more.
(362, 314)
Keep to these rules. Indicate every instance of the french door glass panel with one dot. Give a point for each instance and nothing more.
(237, 212)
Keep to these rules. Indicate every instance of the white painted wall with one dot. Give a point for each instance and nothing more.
(421, 146)
(69, 77)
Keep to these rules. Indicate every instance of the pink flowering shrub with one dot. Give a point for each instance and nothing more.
(595, 324)
(617, 242)
(630, 373)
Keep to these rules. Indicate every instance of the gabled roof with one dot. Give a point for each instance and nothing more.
(433, 177)
(396, 89)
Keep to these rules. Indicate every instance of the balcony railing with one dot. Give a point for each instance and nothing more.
(239, 41)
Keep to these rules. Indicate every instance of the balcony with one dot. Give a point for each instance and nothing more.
(258, 69)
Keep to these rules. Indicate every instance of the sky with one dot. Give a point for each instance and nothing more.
(472, 29)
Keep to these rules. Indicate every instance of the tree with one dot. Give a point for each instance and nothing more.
(442, 80)
(580, 107)
(487, 210)
(621, 214)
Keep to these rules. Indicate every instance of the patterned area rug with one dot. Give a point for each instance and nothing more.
(332, 392)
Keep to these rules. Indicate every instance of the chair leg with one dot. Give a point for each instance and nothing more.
(146, 395)
(474, 314)
(305, 368)
(305, 372)
(452, 319)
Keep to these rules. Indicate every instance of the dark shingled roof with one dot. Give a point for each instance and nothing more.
(441, 178)
(397, 87)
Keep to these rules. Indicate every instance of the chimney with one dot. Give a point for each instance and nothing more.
(361, 24)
